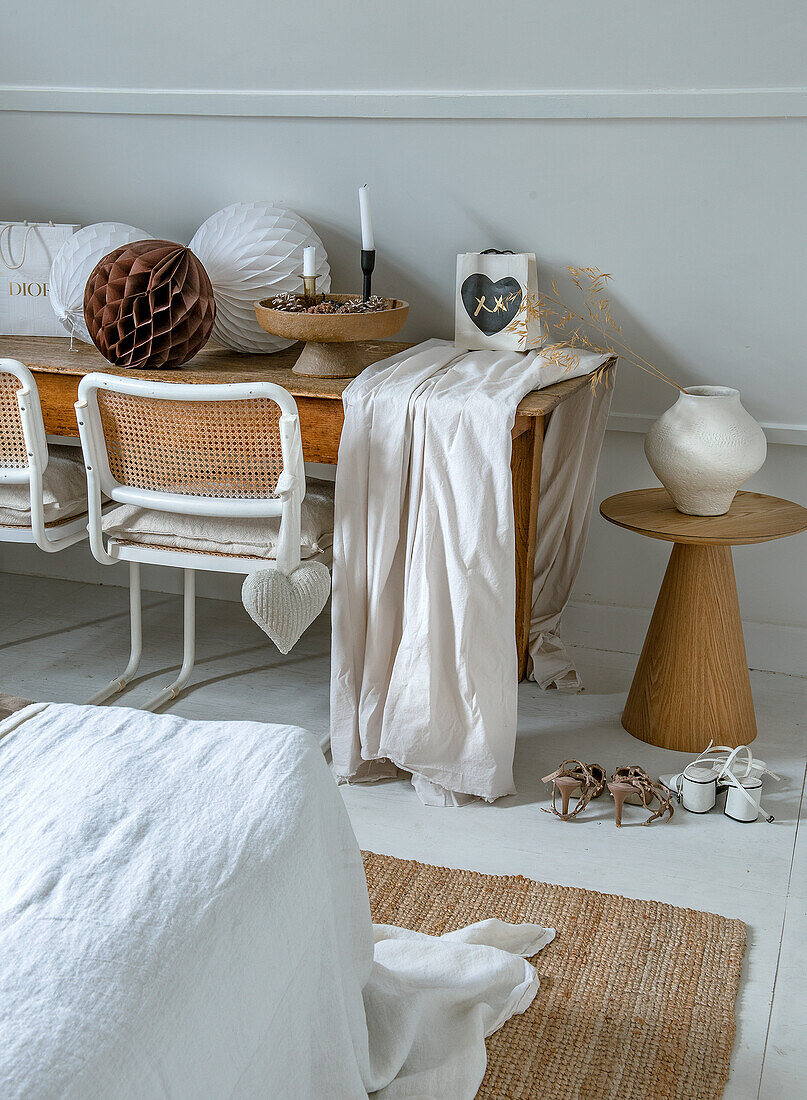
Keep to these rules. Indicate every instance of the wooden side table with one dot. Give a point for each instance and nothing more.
(691, 684)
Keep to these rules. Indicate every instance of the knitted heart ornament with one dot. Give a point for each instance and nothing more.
(284, 607)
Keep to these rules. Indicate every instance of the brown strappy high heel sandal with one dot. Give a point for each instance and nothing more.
(633, 784)
(571, 776)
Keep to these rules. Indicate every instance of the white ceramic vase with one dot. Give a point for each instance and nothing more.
(704, 448)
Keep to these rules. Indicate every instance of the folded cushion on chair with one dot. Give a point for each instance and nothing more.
(64, 491)
(250, 538)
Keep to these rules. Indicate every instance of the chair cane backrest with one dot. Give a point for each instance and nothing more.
(23, 447)
(13, 451)
(221, 449)
(200, 449)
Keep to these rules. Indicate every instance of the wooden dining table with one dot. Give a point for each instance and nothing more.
(58, 368)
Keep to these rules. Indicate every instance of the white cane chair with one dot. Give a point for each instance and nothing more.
(218, 451)
(24, 465)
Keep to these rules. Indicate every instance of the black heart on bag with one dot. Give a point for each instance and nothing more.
(491, 306)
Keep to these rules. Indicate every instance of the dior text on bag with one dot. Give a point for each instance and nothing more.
(497, 303)
(27, 250)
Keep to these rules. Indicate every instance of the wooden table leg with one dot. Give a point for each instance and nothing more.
(526, 471)
(691, 684)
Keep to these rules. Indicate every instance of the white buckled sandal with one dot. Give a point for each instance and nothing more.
(720, 767)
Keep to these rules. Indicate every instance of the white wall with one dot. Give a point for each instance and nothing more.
(420, 44)
(664, 143)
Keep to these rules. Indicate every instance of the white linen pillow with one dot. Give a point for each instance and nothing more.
(64, 490)
(252, 538)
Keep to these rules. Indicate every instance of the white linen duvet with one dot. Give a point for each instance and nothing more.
(183, 913)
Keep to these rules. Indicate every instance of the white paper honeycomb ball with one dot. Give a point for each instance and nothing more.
(73, 264)
(254, 250)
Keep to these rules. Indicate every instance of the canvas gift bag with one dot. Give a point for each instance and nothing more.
(497, 301)
(26, 253)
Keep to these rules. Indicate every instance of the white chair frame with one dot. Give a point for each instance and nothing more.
(286, 503)
(56, 537)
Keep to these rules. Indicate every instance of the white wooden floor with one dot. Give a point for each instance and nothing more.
(61, 640)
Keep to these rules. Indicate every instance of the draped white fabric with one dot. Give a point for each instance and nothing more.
(572, 444)
(183, 912)
(430, 1002)
(423, 665)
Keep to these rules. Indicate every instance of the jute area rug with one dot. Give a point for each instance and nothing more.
(10, 703)
(636, 999)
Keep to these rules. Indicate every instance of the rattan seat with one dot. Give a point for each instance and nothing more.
(226, 535)
(64, 491)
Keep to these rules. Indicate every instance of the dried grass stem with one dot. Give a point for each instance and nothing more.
(592, 284)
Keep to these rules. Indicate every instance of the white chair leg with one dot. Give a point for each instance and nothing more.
(136, 646)
(189, 645)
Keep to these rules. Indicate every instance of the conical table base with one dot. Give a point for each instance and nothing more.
(691, 685)
(331, 360)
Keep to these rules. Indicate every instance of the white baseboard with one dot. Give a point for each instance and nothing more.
(771, 647)
(554, 103)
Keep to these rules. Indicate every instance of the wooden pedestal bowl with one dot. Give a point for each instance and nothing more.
(330, 338)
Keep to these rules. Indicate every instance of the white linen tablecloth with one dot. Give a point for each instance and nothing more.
(423, 661)
(184, 913)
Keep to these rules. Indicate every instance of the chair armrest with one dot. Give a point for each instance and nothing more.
(286, 485)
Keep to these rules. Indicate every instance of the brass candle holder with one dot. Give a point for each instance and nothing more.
(310, 289)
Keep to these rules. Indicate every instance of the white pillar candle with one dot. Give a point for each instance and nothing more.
(367, 242)
(309, 260)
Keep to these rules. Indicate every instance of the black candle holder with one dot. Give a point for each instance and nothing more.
(367, 265)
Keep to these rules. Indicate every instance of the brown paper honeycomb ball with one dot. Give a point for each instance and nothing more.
(149, 304)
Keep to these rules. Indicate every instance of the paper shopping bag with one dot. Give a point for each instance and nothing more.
(26, 253)
(497, 304)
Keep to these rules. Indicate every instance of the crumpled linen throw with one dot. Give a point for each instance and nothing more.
(423, 659)
(184, 912)
(466, 984)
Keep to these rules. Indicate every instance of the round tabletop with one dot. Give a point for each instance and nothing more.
(753, 517)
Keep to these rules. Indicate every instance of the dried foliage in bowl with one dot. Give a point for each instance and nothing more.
(296, 303)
